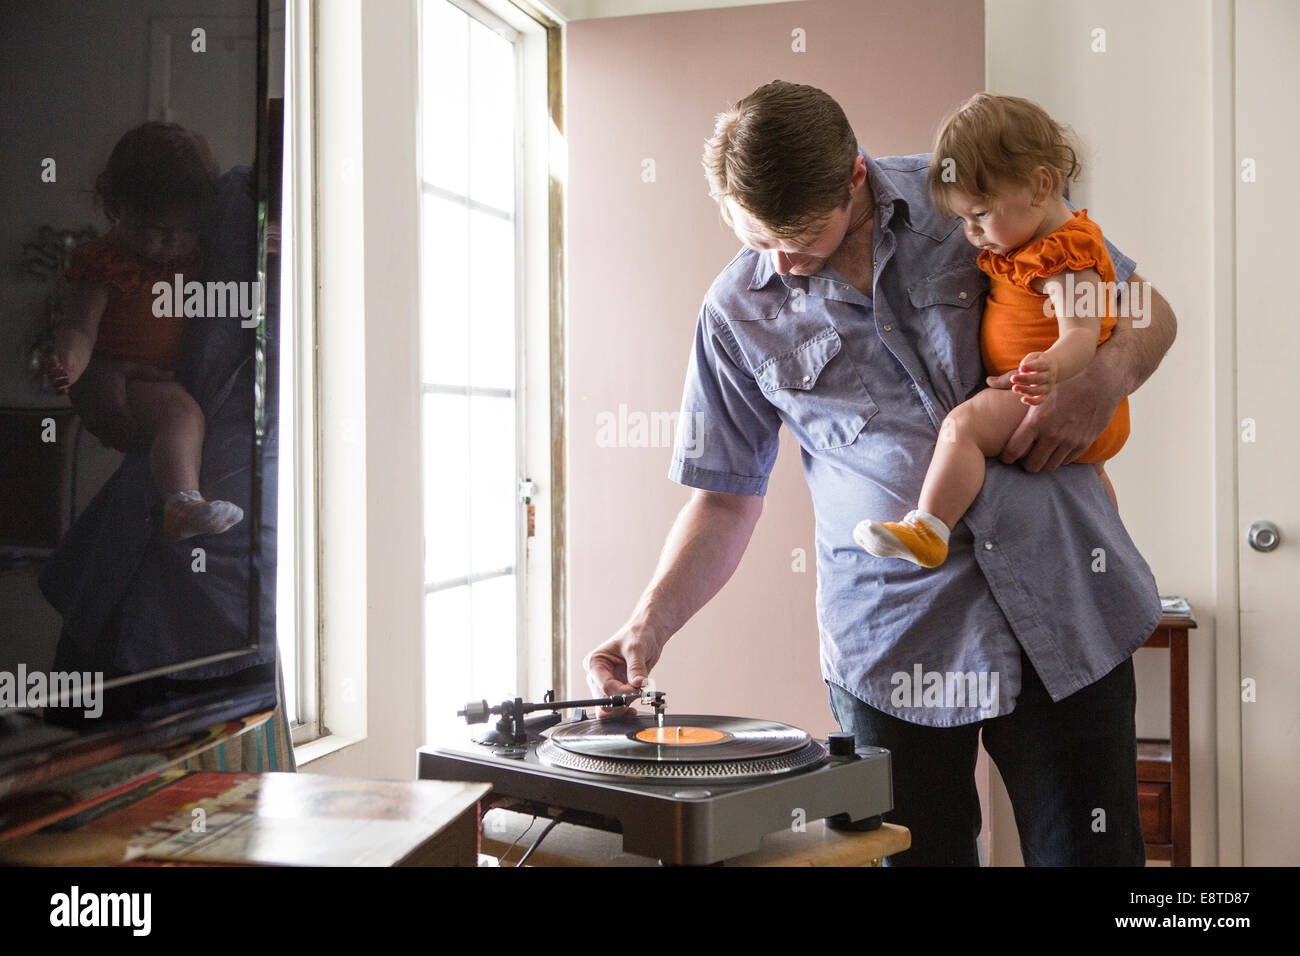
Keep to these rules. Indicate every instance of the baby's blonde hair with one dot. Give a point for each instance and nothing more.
(992, 141)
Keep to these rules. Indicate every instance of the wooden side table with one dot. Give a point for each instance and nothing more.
(1164, 766)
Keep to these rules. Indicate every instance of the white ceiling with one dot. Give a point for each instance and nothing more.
(588, 9)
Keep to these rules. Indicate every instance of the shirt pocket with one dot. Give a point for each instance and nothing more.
(949, 330)
(819, 392)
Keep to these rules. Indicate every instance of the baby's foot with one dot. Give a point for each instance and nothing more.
(920, 538)
(186, 514)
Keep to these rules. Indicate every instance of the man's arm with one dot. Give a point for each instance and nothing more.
(702, 551)
(1078, 410)
(1131, 354)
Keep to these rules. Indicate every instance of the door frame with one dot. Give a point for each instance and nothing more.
(1227, 612)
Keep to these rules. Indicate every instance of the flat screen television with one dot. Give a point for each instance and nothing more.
(140, 157)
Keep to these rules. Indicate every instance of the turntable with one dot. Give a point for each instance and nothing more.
(683, 788)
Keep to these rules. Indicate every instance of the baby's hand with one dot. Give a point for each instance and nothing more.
(68, 358)
(1035, 378)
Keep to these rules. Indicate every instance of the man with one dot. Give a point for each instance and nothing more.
(852, 317)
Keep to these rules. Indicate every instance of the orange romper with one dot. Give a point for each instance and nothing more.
(1014, 321)
(128, 329)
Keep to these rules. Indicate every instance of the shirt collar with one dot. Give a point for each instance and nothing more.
(888, 201)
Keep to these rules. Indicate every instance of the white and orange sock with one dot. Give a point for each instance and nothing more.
(187, 513)
(920, 538)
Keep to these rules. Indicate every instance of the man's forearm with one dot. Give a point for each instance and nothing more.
(1131, 355)
(703, 549)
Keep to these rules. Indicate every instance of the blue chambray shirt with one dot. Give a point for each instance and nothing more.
(1040, 561)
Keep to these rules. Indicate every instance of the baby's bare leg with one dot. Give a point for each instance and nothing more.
(168, 414)
(1105, 480)
(99, 397)
(976, 429)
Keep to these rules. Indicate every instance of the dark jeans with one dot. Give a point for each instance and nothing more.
(1070, 768)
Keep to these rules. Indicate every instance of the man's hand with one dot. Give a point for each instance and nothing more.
(1079, 409)
(621, 666)
(1067, 421)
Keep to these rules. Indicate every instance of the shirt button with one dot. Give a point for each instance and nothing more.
(961, 295)
(888, 327)
(875, 264)
(807, 378)
(845, 286)
(988, 545)
(912, 386)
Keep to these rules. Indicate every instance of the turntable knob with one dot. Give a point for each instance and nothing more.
(841, 744)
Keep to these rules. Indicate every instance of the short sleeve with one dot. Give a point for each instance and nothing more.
(1075, 246)
(1124, 266)
(728, 432)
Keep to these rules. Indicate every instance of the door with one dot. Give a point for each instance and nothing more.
(1268, 343)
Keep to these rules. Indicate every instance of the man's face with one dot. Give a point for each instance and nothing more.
(999, 224)
(803, 256)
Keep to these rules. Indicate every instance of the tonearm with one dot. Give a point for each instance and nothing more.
(511, 727)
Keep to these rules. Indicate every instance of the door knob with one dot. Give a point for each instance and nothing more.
(1264, 536)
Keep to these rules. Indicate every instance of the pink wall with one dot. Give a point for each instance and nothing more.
(642, 255)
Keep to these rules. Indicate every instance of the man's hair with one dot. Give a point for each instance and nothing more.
(784, 154)
(991, 142)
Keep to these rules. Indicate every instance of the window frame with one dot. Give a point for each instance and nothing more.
(538, 313)
(299, 561)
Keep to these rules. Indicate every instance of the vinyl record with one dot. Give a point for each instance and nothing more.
(683, 738)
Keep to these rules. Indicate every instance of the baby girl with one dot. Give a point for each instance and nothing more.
(159, 181)
(1001, 164)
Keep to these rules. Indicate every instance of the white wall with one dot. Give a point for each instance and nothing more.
(1143, 109)
(371, 575)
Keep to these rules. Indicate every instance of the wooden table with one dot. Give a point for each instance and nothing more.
(1164, 767)
(276, 819)
(508, 834)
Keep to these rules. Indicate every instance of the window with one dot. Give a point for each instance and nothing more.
(474, 331)
(296, 509)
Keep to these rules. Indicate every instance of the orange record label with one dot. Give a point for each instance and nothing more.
(684, 736)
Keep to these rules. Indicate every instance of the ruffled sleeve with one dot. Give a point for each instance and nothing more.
(1076, 245)
(100, 262)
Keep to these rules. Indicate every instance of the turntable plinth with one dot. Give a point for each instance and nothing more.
(570, 845)
(690, 789)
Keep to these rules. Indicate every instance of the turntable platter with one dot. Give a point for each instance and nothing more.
(686, 746)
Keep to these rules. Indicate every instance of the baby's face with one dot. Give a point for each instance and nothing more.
(162, 238)
(999, 223)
